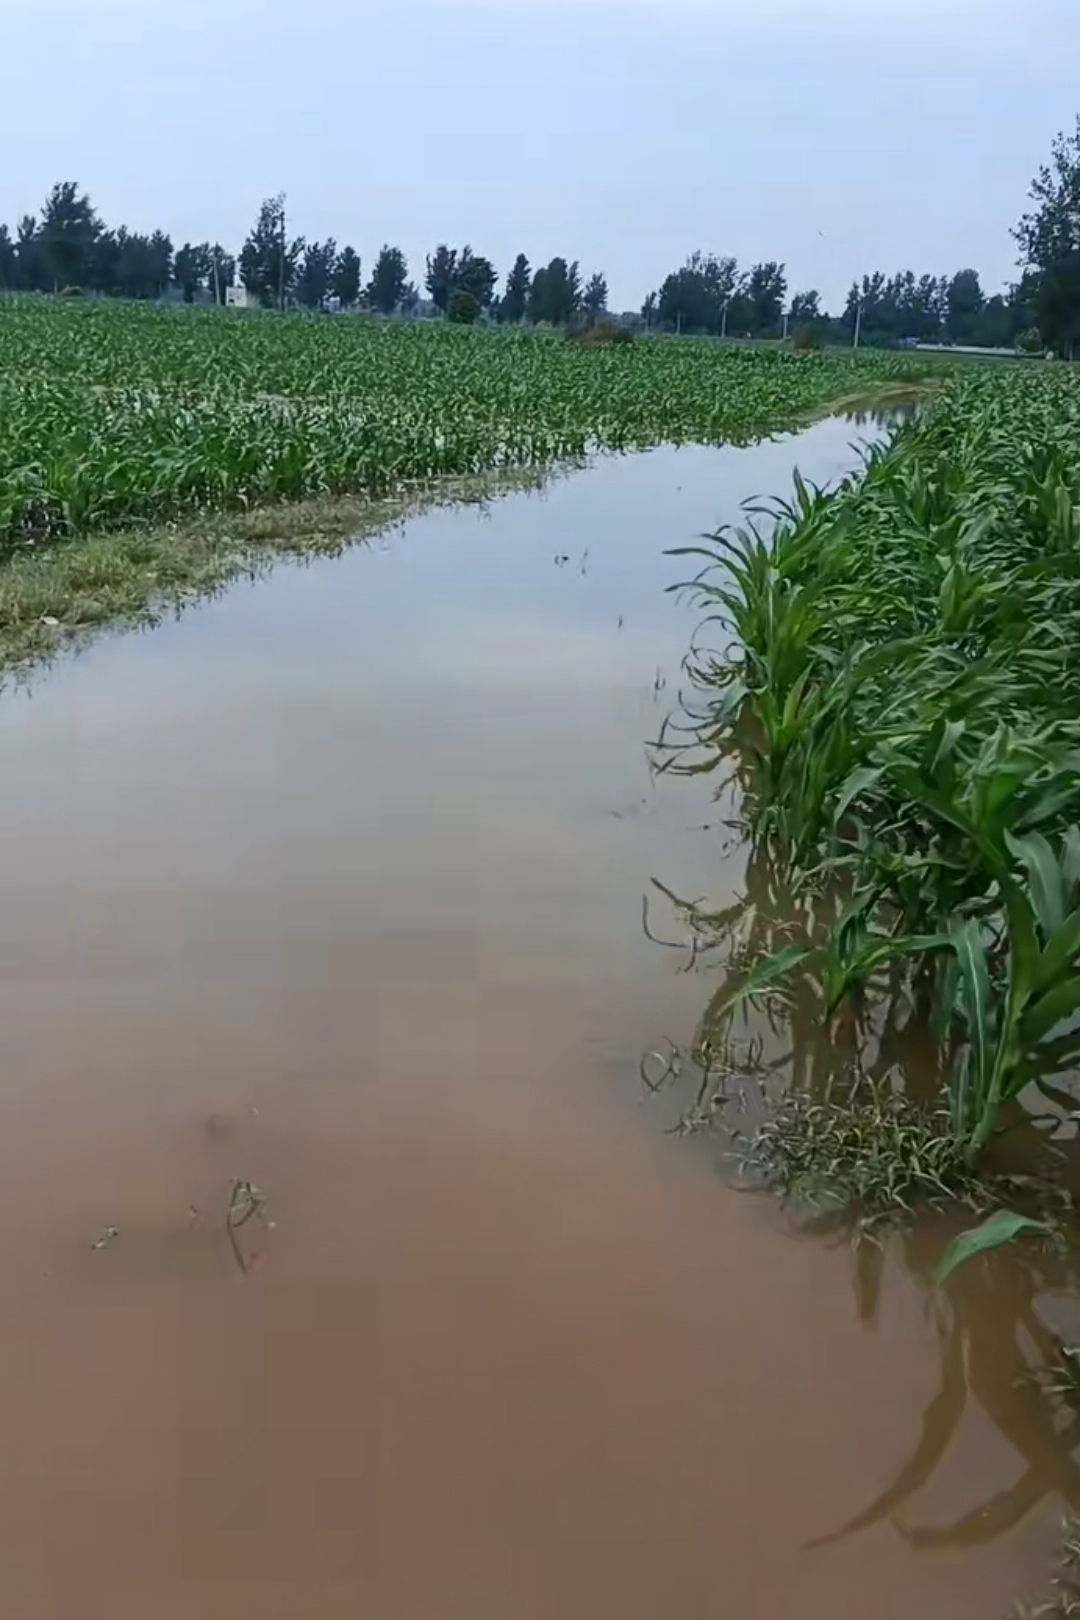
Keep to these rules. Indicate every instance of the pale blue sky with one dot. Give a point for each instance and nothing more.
(836, 135)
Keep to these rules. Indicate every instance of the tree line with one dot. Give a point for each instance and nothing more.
(1040, 310)
(67, 247)
(711, 295)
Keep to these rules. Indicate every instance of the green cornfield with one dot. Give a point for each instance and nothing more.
(119, 414)
(900, 699)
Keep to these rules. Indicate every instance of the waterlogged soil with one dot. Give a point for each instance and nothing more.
(334, 887)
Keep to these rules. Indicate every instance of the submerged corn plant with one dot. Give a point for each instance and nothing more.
(895, 686)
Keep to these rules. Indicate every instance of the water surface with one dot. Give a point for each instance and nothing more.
(335, 884)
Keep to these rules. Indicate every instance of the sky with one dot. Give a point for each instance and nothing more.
(838, 136)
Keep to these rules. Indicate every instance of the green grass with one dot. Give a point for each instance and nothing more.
(900, 702)
(869, 1152)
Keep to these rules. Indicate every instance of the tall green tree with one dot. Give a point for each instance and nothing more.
(997, 328)
(965, 303)
(721, 282)
(316, 275)
(766, 291)
(268, 259)
(595, 297)
(345, 284)
(159, 262)
(1050, 230)
(516, 297)
(699, 296)
(440, 275)
(449, 270)
(127, 264)
(1048, 236)
(222, 272)
(871, 308)
(806, 308)
(69, 229)
(476, 276)
(8, 261)
(388, 281)
(104, 274)
(1057, 305)
(555, 296)
(30, 269)
(191, 270)
(929, 308)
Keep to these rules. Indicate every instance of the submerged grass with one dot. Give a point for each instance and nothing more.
(869, 1154)
(60, 596)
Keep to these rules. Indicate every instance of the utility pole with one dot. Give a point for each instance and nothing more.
(858, 324)
(217, 277)
(784, 333)
(723, 319)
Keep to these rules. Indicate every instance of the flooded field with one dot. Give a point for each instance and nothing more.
(334, 887)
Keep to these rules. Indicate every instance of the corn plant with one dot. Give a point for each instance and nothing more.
(897, 693)
(120, 414)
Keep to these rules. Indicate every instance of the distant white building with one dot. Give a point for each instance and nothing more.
(240, 298)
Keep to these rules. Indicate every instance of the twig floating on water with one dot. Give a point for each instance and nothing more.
(245, 1200)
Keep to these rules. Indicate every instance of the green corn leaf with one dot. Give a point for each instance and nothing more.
(1044, 874)
(945, 1005)
(976, 1002)
(944, 743)
(766, 972)
(1070, 861)
(1023, 945)
(1059, 954)
(794, 701)
(1051, 1009)
(731, 703)
(874, 953)
(857, 784)
(960, 1089)
(1003, 1227)
(923, 794)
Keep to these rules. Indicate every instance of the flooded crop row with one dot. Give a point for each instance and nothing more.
(349, 1268)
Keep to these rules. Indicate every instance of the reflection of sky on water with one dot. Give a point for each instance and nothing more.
(464, 594)
(413, 774)
(449, 707)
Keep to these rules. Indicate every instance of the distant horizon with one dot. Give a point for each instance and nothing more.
(837, 138)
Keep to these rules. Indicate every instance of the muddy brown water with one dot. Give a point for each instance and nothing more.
(334, 885)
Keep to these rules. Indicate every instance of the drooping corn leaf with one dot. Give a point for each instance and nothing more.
(1003, 1227)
